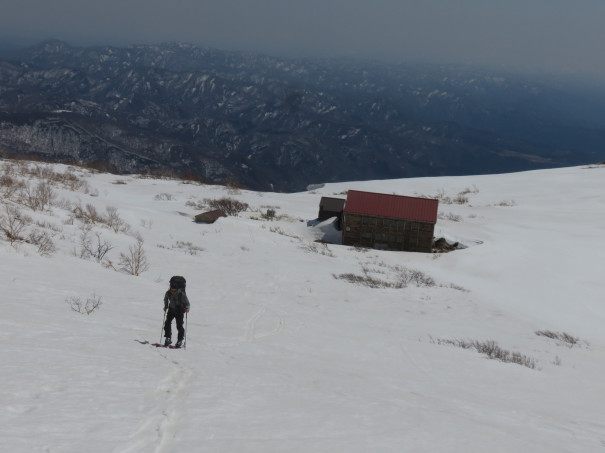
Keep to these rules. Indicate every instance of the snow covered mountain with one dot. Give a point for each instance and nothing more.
(292, 344)
(277, 124)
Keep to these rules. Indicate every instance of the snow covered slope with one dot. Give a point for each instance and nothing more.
(286, 354)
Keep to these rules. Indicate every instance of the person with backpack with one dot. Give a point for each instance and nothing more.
(176, 304)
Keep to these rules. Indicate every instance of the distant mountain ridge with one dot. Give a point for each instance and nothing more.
(275, 124)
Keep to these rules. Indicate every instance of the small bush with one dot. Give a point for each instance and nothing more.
(396, 277)
(114, 221)
(416, 277)
(95, 248)
(450, 216)
(13, 223)
(229, 206)
(164, 197)
(135, 262)
(460, 199)
(87, 214)
(469, 190)
(197, 205)
(9, 186)
(91, 304)
(365, 280)
(493, 351)
(147, 223)
(278, 230)
(457, 287)
(43, 241)
(319, 248)
(559, 336)
(507, 203)
(37, 198)
(188, 247)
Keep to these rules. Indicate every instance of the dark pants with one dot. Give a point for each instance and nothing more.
(178, 317)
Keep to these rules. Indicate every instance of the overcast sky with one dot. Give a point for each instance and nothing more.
(555, 35)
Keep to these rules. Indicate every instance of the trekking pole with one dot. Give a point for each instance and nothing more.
(162, 331)
(185, 342)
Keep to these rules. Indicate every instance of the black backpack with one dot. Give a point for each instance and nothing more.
(178, 282)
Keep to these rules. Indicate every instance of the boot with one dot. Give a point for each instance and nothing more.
(167, 342)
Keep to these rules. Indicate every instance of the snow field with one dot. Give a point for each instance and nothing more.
(282, 356)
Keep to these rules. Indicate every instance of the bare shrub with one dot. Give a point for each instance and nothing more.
(13, 223)
(450, 216)
(197, 205)
(87, 214)
(457, 287)
(72, 182)
(21, 168)
(135, 261)
(416, 277)
(493, 351)
(233, 188)
(49, 226)
(562, 337)
(43, 240)
(440, 195)
(469, 190)
(396, 277)
(164, 197)
(507, 203)
(91, 304)
(364, 280)
(147, 223)
(9, 186)
(460, 199)
(114, 221)
(188, 247)
(319, 248)
(95, 248)
(46, 173)
(229, 206)
(278, 230)
(37, 198)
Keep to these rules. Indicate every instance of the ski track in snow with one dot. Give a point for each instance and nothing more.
(263, 313)
(156, 432)
(251, 326)
(252, 331)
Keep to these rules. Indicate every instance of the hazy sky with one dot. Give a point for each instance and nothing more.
(556, 35)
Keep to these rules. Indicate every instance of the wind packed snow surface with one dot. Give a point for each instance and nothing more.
(298, 346)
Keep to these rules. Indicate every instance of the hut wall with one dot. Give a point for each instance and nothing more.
(393, 234)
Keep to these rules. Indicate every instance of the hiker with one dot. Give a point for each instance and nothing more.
(176, 304)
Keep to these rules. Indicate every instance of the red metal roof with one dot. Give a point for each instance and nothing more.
(392, 206)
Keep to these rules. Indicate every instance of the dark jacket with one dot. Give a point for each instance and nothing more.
(177, 302)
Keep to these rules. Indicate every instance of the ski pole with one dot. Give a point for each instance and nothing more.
(185, 342)
(162, 331)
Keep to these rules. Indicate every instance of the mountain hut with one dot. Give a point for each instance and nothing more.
(392, 222)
